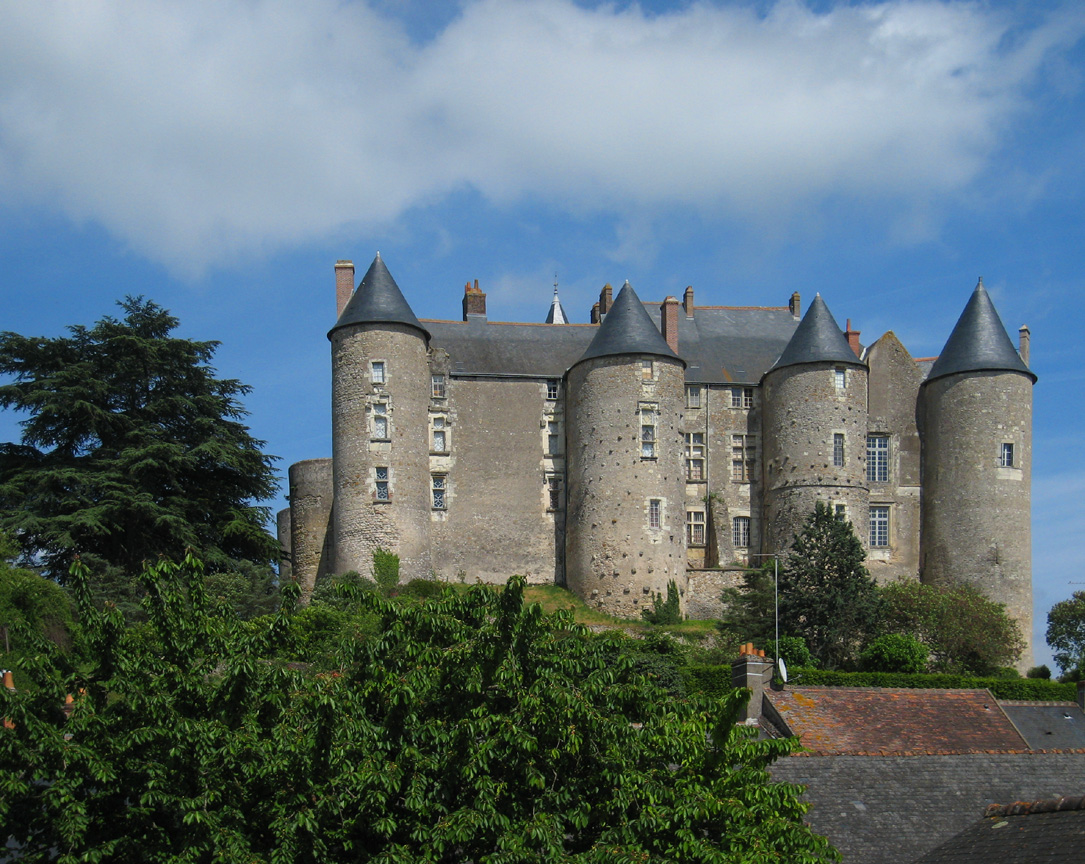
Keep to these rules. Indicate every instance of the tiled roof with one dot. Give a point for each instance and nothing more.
(832, 720)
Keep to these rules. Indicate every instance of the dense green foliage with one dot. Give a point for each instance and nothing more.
(749, 609)
(1066, 634)
(1031, 689)
(1041, 671)
(792, 649)
(468, 728)
(964, 630)
(385, 570)
(895, 652)
(667, 611)
(826, 595)
(132, 448)
(31, 607)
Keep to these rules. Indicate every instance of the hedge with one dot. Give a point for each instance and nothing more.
(716, 680)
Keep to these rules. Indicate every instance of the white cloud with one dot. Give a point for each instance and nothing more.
(197, 129)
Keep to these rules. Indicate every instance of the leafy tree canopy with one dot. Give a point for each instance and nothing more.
(826, 594)
(964, 630)
(749, 609)
(132, 448)
(31, 606)
(469, 728)
(1066, 634)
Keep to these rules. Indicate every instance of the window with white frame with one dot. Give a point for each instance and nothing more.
(693, 396)
(440, 435)
(695, 456)
(437, 386)
(838, 449)
(439, 484)
(553, 491)
(840, 377)
(376, 371)
(743, 451)
(553, 438)
(647, 370)
(655, 513)
(879, 526)
(695, 522)
(740, 532)
(647, 431)
(742, 397)
(552, 389)
(877, 458)
(381, 491)
(1005, 455)
(380, 421)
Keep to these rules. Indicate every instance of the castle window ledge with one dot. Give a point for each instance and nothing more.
(884, 553)
(387, 500)
(1010, 474)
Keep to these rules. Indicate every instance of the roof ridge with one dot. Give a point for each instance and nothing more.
(812, 754)
(1026, 808)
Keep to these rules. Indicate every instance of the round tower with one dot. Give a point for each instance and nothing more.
(975, 412)
(814, 431)
(310, 512)
(380, 397)
(626, 484)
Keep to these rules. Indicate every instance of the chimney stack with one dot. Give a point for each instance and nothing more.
(795, 305)
(474, 301)
(687, 301)
(853, 339)
(753, 671)
(604, 300)
(595, 312)
(668, 322)
(344, 285)
(1024, 340)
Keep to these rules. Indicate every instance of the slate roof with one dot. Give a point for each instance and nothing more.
(481, 347)
(831, 720)
(556, 315)
(818, 339)
(978, 342)
(1048, 725)
(377, 299)
(627, 329)
(1021, 833)
(892, 809)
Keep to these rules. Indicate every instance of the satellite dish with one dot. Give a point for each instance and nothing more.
(783, 669)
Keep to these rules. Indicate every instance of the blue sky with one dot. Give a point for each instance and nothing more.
(218, 156)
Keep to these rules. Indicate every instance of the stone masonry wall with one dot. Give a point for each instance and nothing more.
(976, 514)
(361, 521)
(310, 511)
(615, 560)
(802, 411)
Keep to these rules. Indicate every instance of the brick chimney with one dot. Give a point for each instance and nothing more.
(1023, 342)
(595, 313)
(687, 301)
(753, 671)
(853, 339)
(795, 305)
(474, 301)
(604, 300)
(668, 322)
(344, 285)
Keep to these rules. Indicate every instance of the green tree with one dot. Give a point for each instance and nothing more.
(895, 652)
(826, 595)
(1066, 634)
(132, 449)
(473, 728)
(749, 609)
(667, 611)
(31, 606)
(964, 630)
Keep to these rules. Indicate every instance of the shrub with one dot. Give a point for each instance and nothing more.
(385, 570)
(895, 652)
(793, 650)
(664, 611)
(1039, 672)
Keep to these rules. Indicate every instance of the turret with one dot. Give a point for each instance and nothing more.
(975, 413)
(626, 483)
(814, 431)
(380, 398)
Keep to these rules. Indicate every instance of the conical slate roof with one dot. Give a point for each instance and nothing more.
(628, 329)
(978, 343)
(817, 339)
(378, 300)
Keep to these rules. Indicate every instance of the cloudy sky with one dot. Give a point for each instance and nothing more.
(218, 156)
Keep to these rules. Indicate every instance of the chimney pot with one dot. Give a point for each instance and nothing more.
(604, 299)
(853, 339)
(668, 322)
(474, 301)
(1024, 343)
(687, 301)
(9, 679)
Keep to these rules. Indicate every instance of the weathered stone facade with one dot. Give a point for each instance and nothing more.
(613, 457)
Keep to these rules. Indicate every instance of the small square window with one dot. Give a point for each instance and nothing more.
(438, 386)
(440, 442)
(695, 523)
(381, 476)
(553, 492)
(647, 370)
(838, 449)
(840, 377)
(439, 484)
(553, 439)
(376, 369)
(693, 396)
(742, 397)
(655, 513)
(552, 389)
(380, 421)
(840, 511)
(740, 532)
(1005, 457)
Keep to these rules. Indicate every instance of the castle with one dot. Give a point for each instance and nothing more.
(658, 443)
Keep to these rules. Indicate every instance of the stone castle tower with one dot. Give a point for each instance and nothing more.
(663, 441)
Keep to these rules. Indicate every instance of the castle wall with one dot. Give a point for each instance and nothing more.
(498, 521)
(381, 484)
(893, 391)
(311, 494)
(976, 514)
(803, 409)
(616, 559)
